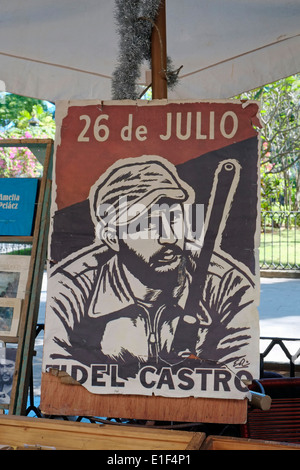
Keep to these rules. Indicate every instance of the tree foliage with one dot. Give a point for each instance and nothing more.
(280, 150)
(27, 118)
(12, 105)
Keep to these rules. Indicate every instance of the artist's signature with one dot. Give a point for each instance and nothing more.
(241, 363)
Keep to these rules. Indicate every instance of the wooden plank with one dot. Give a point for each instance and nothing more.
(25, 432)
(21, 239)
(33, 309)
(60, 399)
(24, 142)
(9, 339)
(196, 441)
(232, 443)
(159, 55)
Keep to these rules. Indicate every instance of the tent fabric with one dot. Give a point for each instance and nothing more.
(69, 49)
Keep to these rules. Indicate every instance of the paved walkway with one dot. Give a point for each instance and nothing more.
(279, 314)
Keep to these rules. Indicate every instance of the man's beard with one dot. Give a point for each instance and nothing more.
(7, 379)
(165, 270)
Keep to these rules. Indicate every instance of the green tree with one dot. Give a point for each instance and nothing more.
(26, 118)
(12, 105)
(280, 152)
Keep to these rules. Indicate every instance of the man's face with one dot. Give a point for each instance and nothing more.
(6, 371)
(152, 247)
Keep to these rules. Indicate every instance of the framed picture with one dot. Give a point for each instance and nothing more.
(13, 275)
(7, 368)
(10, 310)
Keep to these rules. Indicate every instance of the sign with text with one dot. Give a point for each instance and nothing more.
(153, 274)
(17, 205)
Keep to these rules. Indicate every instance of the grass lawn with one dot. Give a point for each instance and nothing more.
(280, 248)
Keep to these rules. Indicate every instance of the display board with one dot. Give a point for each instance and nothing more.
(153, 274)
(24, 220)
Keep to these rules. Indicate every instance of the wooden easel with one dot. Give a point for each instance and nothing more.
(42, 149)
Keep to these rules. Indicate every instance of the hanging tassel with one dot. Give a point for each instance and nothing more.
(135, 19)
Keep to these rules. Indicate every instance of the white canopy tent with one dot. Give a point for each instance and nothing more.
(68, 49)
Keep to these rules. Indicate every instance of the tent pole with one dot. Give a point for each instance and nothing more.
(159, 54)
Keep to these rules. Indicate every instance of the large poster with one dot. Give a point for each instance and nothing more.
(153, 274)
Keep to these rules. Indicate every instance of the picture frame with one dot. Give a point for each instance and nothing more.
(7, 368)
(13, 275)
(10, 312)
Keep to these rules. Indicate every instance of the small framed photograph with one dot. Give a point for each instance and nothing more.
(10, 311)
(13, 275)
(7, 368)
